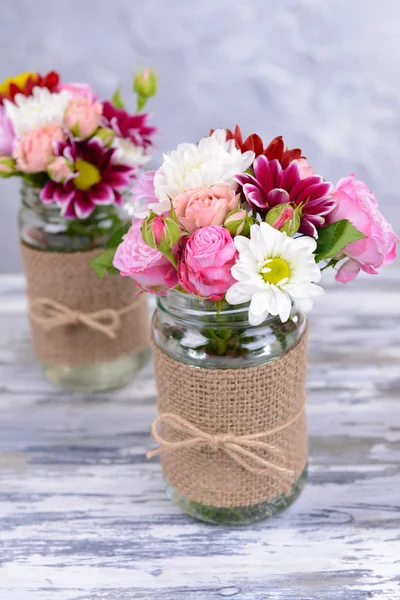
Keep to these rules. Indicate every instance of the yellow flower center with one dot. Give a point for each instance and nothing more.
(88, 175)
(274, 270)
(19, 80)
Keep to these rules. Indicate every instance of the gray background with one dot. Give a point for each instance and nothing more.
(324, 73)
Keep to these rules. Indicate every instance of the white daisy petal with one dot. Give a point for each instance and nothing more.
(238, 294)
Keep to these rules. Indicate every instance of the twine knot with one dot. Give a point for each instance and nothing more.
(50, 314)
(241, 448)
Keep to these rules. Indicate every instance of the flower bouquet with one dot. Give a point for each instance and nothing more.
(77, 157)
(232, 239)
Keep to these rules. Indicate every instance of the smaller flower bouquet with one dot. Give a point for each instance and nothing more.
(232, 236)
(82, 153)
(232, 220)
(77, 157)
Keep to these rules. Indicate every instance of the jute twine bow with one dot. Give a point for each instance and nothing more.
(241, 448)
(50, 314)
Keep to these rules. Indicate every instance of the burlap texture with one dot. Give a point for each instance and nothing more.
(240, 401)
(68, 278)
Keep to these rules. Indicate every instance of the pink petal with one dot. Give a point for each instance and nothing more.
(348, 271)
(101, 194)
(83, 205)
(277, 196)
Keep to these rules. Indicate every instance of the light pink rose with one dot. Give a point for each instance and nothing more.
(357, 203)
(78, 90)
(205, 262)
(204, 206)
(35, 150)
(7, 136)
(149, 268)
(59, 169)
(82, 116)
(305, 168)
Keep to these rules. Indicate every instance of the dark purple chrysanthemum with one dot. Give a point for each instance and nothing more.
(134, 127)
(272, 185)
(94, 179)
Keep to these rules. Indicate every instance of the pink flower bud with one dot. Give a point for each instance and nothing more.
(237, 223)
(158, 229)
(285, 218)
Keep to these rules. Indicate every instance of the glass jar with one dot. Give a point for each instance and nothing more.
(195, 333)
(43, 228)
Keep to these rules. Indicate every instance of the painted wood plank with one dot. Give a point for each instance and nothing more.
(84, 516)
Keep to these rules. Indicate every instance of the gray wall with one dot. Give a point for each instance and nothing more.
(325, 73)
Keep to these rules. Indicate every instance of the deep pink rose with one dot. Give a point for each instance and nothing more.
(7, 136)
(78, 90)
(35, 150)
(82, 116)
(358, 204)
(149, 269)
(205, 206)
(205, 262)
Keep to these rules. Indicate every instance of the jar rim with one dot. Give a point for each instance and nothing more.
(185, 307)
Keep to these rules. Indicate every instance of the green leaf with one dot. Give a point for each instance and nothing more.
(117, 234)
(166, 250)
(117, 99)
(334, 237)
(104, 262)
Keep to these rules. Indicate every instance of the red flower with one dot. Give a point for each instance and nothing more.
(49, 81)
(274, 150)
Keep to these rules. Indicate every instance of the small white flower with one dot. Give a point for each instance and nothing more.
(127, 153)
(273, 271)
(212, 161)
(41, 109)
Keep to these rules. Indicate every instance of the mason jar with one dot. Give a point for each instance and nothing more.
(231, 396)
(47, 236)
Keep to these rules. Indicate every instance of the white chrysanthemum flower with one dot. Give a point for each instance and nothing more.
(128, 153)
(273, 271)
(41, 109)
(212, 161)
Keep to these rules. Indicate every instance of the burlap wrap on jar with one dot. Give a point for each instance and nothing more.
(222, 461)
(76, 317)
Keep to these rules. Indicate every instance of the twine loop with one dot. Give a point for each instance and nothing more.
(50, 314)
(241, 448)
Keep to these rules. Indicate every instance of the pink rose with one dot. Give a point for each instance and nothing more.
(7, 136)
(82, 116)
(305, 168)
(59, 169)
(78, 90)
(35, 150)
(357, 203)
(200, 207)
(205, 263)
(149, 269)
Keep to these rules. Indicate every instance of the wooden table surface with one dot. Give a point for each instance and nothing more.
(84, 516)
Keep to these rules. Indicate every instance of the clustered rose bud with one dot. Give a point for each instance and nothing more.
(161, 232)
(285, 218)
(238, 222)
(145, 85)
